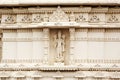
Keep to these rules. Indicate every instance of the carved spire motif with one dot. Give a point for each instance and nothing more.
(59, 16)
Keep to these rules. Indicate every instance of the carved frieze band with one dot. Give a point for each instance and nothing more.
(90, 15)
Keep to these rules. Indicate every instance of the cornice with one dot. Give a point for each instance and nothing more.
(113, 10)
(58, 2)
(99, 10)
(42, 67)
(20, 10)
(65, 9)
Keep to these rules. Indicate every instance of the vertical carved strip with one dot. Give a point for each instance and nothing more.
(72, 42)
(46, 46)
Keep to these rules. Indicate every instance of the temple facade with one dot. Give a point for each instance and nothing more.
(59, 41)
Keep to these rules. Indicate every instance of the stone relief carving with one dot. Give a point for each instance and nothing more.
(10, 19)
(59, 16)
(59, 44)
(94, 18)
(80, 18)
(26, 18)
(72, 17)
(113, 18)
(37, 18)
(46, 18)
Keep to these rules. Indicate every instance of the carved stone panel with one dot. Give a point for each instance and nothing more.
(59, 46)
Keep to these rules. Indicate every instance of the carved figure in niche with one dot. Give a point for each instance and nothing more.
(59, 45)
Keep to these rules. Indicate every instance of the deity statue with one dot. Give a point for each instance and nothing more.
(59, 44)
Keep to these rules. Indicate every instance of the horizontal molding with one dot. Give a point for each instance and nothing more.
(22, 39)
(21, 61)
(76, 39)
(99, 39)
(113, 61)
(104, 61)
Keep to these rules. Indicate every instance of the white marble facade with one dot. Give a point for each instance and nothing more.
(65, 43)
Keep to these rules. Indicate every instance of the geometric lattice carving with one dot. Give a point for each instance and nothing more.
(94, 18)
(10, 19)
(26, 18)
(59, 16)
(113, 18)
(38, 18)
(80, 18)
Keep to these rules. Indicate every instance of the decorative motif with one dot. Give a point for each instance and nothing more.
(59, 16)
(4, 74)
(46, 18)
(36, 74)
(10, 19)
(80, 74)
(99, 74)
(26, 18)
(19, 75)
(94, 18)
(115, 75)
(97, 66)
(59, 45)
(38, 18)
(113, 18)
(72, 17)
(80, 18)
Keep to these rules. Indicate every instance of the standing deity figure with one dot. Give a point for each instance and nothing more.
(59, 45)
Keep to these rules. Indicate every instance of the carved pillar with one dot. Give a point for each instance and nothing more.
(46, 45)
(72, 42)
(72, 17)
(46, 18)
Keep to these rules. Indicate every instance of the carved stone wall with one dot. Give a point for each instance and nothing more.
(52, 52)
(57, 16)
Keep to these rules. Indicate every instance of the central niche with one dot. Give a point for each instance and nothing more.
(59, 46)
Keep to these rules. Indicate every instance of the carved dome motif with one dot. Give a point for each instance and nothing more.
(59, 16)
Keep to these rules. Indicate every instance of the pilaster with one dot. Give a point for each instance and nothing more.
(46, 45)
(72, 46)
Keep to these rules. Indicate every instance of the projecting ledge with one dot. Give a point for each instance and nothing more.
(59, 25)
